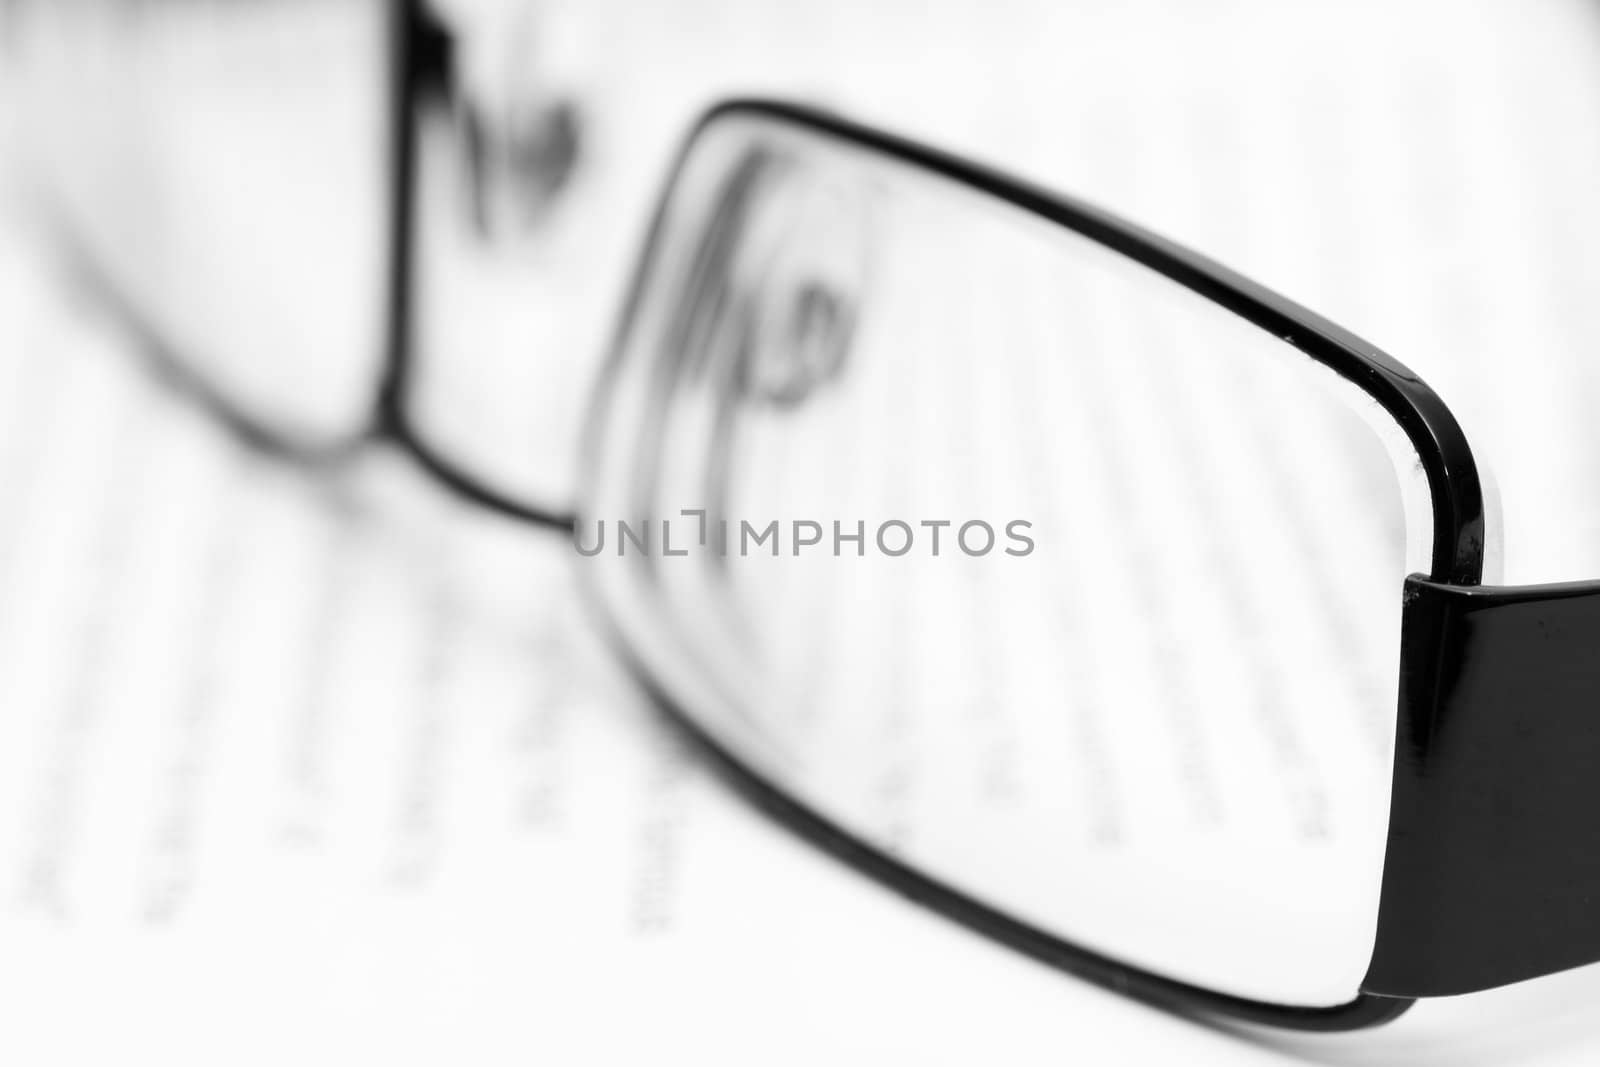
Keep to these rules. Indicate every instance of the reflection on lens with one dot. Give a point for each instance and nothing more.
(1012, 558)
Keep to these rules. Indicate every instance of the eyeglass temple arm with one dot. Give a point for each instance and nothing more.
(1493, 868)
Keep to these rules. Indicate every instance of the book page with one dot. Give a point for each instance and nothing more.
(318, 767)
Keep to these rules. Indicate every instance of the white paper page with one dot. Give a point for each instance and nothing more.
(329, 772)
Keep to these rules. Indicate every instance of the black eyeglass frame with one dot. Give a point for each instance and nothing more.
(1493, 855)
(1456, 552)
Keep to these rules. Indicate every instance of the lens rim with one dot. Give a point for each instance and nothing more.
(1457, 550)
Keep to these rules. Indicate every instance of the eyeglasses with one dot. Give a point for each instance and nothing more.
(1062, 580)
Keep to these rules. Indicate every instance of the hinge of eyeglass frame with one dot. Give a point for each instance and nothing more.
(1493, 866)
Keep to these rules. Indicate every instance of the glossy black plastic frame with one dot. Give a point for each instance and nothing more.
(1493, 869)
